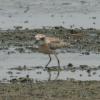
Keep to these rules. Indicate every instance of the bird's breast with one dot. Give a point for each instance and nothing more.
(45, 49)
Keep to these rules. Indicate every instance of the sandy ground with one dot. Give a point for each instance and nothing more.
(53, 90)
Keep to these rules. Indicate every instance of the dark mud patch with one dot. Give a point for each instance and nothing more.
(21, 80)
(20, 68)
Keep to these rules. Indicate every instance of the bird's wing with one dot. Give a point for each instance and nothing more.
(55, 43)
(50, 40)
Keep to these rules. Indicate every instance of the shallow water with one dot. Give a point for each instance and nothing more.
(37, 59)
(41, 13)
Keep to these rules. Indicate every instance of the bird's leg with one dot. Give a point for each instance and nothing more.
(49, 75)
(58, 65)
(48, 62)
(57, 60)
(48, 69)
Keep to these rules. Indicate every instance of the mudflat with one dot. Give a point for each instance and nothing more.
(52, 90)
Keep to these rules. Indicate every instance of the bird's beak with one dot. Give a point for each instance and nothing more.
(36, 42)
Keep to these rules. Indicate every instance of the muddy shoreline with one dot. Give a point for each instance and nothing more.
(52, 90)
(81, 40)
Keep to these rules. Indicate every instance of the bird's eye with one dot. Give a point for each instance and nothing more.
(42, 38)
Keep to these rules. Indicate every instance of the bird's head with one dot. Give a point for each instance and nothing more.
(40, 39)
(40, 36)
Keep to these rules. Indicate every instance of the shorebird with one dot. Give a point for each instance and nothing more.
(48, 45)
